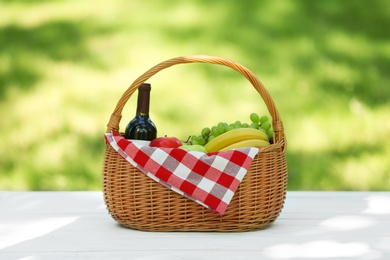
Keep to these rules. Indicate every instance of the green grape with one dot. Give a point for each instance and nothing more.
(206, 132)
(254, 125)
(254, 118)
(194, 139)
(270, 133)
(201, 140)
(263, 119)
(261, 129)
(244, 125)
(229, 128)
(221, 130)
(266, 125)
(224, 126)
(237, 124)
(214, 131)
(211, 137)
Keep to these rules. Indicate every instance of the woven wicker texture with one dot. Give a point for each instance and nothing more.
(136, 201)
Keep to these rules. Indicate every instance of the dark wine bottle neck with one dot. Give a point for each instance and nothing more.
(143, 99)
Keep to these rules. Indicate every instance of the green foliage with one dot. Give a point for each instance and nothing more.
(64, 65)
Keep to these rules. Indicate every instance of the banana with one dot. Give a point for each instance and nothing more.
(234, 136)
(246, 143)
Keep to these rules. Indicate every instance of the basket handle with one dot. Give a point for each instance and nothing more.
(279, 137)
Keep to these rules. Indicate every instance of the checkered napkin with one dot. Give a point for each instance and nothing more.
(209, 179)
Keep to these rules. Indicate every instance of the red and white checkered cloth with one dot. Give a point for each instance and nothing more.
(209, 179)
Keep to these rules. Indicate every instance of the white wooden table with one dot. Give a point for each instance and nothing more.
(76, 225)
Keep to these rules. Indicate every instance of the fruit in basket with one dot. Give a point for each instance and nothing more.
(198, 140)
(228, 139)
(224, 135)
(254, 118)
(193, 147)
(168, 142)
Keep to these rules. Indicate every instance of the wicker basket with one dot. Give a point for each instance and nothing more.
(136, 201)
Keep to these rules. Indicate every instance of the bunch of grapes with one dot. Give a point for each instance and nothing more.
(208, 133)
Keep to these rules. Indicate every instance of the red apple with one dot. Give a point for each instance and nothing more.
(168, 142)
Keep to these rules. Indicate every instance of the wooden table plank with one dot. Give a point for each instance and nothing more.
(76, 225)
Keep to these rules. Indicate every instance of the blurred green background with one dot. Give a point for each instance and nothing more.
(65, 64)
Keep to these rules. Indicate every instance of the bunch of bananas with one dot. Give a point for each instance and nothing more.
(237, 138)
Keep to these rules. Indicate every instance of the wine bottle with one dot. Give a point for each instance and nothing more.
(141, 126)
